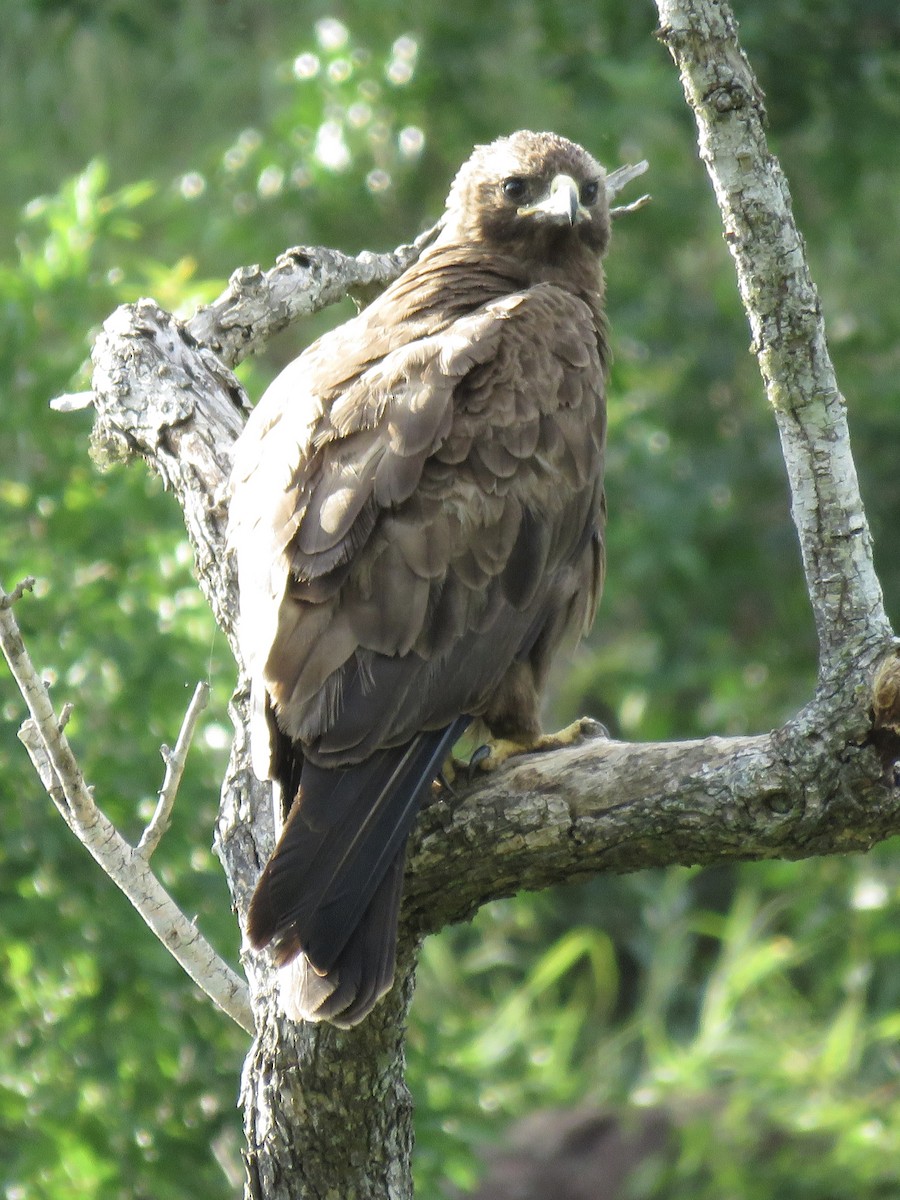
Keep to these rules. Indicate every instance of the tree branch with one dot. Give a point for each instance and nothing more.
(256, 305)
(8, 599)
(175, 762)
(618, 806)
(617, 181)
(58, 770)
(788, 332)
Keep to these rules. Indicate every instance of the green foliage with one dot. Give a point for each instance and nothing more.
(761, 1020)
(97, 1020)
(757, 1004)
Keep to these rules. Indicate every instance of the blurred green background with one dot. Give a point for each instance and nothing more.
(153, 148)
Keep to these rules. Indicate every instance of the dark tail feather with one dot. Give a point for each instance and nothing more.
(364, 972)
(331, 891)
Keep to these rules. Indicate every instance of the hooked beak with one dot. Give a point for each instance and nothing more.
(561, 204)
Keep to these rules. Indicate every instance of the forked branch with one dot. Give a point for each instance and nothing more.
(56, 765)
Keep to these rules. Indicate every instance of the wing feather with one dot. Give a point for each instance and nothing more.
(442, 492)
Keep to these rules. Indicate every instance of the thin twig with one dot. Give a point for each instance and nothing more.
(8, 599)
(619, 178)
(58, 770)
(175, 761)
(622, 210)
(72, 402)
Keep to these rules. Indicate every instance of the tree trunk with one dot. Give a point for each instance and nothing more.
(326, 1112)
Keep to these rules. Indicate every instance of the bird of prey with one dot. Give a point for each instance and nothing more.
(418, 517)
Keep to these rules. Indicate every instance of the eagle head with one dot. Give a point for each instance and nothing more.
(537, 195)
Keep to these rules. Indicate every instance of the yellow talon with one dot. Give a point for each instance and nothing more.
(571, 735)
(503, 749)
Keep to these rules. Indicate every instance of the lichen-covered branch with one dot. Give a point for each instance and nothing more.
(619, 806)
(258, 304)
(788, 333)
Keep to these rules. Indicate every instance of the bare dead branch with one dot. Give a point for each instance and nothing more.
(617, 806)
(8, 599)
(619, 178)
(175, 762)
(622, 210)
(258, 304)
(72, 402)
(61, 776)
(886, 694)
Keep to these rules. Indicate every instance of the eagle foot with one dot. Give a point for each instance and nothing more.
(493, 754)
(446, 777)
(460, 770)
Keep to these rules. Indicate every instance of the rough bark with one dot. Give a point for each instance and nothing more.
(327, 1113)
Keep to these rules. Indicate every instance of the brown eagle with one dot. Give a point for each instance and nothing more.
(418, 517)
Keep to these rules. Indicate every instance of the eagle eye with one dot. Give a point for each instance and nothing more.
(514, 188)
(590, 192)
